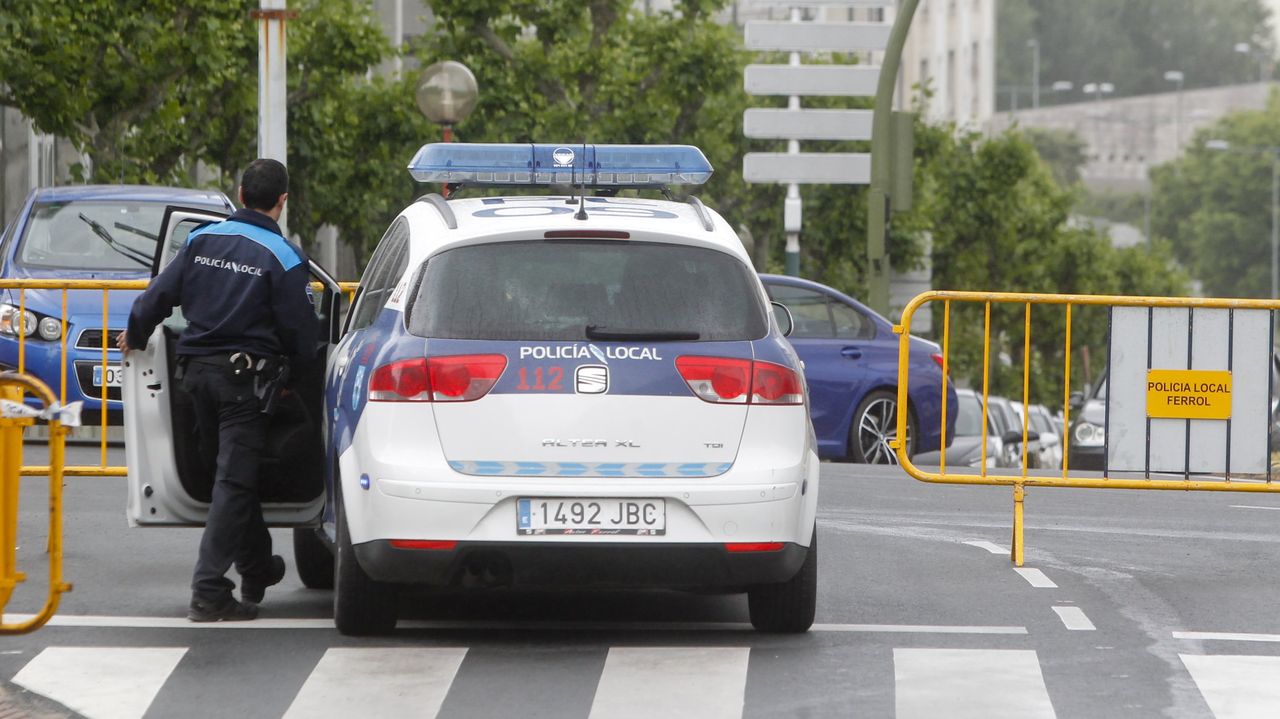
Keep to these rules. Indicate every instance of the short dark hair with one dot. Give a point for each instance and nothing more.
(264, 181)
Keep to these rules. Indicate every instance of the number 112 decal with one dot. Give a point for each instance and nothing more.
(539, 380)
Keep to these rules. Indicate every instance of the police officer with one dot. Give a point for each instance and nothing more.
(245, 294)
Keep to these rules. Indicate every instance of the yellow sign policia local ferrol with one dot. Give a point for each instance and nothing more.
(1188, 394)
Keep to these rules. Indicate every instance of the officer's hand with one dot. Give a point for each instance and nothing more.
(122, 343)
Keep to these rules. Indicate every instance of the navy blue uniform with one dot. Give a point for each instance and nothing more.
(243, 288)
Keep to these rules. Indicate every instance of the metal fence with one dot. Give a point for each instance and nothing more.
(1038, 307)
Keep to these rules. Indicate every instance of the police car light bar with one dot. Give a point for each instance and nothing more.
(477, 164)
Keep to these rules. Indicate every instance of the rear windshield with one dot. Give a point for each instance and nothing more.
(92, 235)
(555, 290)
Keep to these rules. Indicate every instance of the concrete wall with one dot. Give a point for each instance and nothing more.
(1127, 136)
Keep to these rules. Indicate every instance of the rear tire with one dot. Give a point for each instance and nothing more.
(788, 607)
(875, 424)
(361, 606)
(312, 558)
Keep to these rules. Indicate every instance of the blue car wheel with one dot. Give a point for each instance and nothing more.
(875, 425)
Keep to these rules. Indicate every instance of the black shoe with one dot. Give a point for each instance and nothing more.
(253, 589)
(228, 611)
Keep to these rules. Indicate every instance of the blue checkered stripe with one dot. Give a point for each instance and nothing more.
(591, 469)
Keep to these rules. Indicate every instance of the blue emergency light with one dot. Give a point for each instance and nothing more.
(533, 164)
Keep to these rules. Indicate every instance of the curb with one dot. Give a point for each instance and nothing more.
(18, 703)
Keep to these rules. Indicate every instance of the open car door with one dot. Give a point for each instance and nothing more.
(170, 476)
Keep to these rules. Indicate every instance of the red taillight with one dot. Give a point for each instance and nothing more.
(716, 379)
(424, 543)
(774, 384)
(401, 381)
(936, 358)
(740, 381)
(754, 546)
(460, 378)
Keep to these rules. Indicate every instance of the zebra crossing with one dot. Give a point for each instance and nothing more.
(707, 682)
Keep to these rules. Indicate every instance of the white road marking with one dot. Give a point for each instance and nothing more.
(1237, 687)
(1074, 619)
(134, 622)
(1251, 506)
(916, 629)
(101, 682)
(970, 684)
(644, 682)
(1227, 636)
(989, 546)
(378, 682)
(1035, 578)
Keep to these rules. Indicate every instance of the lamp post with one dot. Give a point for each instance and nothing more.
(1034, 44)
(1274, 152)
(1177, 77)
(1246, 49)
(447, 94)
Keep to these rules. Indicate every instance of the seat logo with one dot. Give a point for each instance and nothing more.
(591, 379)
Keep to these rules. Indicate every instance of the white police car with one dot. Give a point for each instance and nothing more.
(564, 391)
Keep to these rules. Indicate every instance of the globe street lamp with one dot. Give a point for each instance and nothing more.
(1274, 152)
(447, 94)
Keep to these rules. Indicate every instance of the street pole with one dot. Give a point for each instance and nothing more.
(792, 208)
(273, 139)
(881, 149)
(1275, 222)
(1035, 73)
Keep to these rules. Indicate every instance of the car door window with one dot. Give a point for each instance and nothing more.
(810, 311)
(386, 266)
(850, 323)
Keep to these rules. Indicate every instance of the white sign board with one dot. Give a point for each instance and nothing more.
(807, 167)
(1169, 367)
(777, 124)
(816, 36)
(821, 80)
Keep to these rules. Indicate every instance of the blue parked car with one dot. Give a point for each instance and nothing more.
(850, 357)
(84, 232)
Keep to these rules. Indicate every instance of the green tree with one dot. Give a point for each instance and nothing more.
(149, 89)
(999, 223)
(1214, 206)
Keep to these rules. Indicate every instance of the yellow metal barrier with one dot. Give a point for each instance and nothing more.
(13, 387)
(1022, 479)
(102, 469)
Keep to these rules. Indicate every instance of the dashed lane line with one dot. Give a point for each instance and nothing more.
(1227, 636)
(1074, 618)
(1251, 506)
(989, 546)
(1035, 578)
(133, 622)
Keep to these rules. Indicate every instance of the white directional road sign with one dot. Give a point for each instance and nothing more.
(807, 167)
(816, 36)
(826, 80)
(778, 124)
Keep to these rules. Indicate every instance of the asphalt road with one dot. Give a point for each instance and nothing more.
(1131, 604)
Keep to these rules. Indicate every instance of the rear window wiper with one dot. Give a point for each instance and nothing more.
(106, 237)
(597, 332)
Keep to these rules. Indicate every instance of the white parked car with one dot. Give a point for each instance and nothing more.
(559, 391)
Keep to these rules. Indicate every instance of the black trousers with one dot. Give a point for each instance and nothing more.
(233, 429)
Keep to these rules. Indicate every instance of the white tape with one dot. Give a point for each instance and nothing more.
(69, 415)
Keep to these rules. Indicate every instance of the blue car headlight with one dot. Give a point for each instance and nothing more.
(30, 323)
(14, 321)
